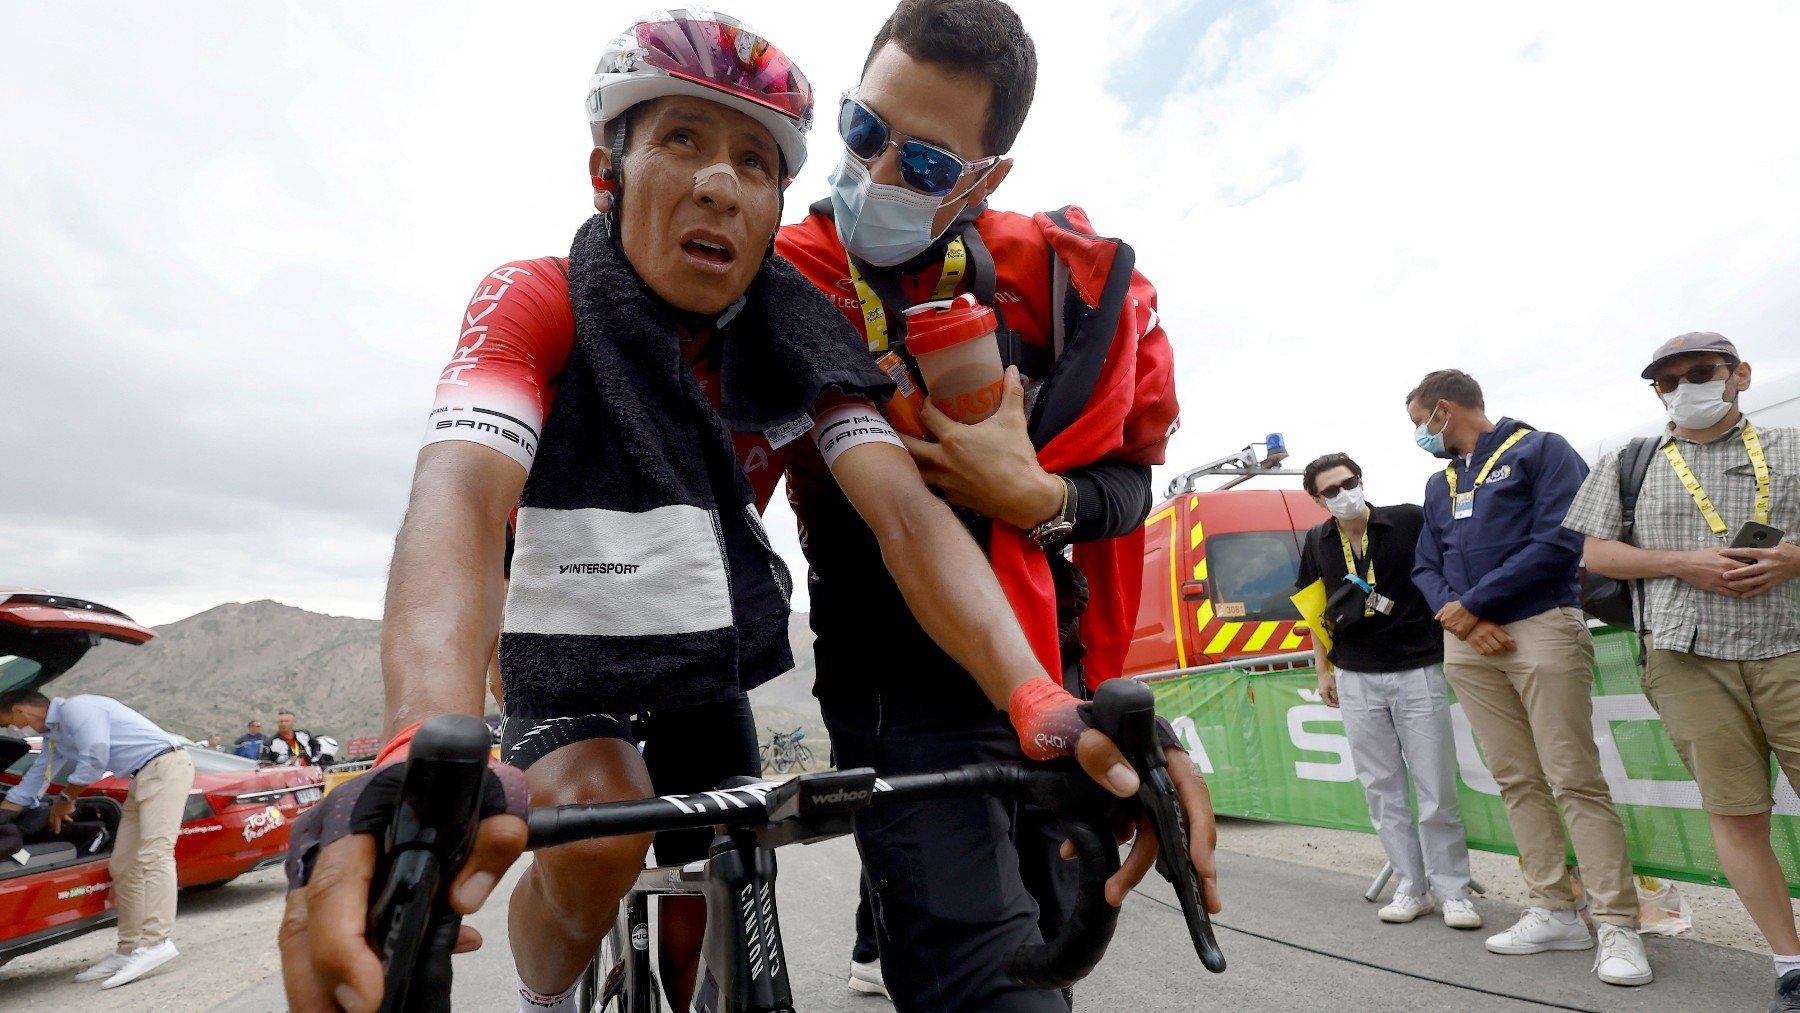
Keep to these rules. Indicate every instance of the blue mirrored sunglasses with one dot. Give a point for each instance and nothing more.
(924, 167)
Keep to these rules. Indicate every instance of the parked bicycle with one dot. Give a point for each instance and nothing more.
(784, 752)
(743, 968)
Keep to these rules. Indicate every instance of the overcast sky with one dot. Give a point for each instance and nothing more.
(237, 239)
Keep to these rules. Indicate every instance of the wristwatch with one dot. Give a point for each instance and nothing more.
(1057, 529)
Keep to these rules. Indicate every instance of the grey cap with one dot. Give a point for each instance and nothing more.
(1687, 344)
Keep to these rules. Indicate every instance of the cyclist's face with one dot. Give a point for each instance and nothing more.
(701, 200)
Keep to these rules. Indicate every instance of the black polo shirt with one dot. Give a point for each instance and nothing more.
(1409, 636)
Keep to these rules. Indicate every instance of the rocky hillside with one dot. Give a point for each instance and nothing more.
(212, 672)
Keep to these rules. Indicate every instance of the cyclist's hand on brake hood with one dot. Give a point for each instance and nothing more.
(326, 961)
(1049, 725)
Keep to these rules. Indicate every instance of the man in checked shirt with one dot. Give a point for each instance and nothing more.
(1722, 624)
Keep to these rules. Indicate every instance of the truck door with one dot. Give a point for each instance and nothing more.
(1248, 555)
(1158, 643)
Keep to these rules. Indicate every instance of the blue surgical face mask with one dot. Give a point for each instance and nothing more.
(1430, 442)
(881, 224)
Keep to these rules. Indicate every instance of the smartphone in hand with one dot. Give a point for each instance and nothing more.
(1756, 536)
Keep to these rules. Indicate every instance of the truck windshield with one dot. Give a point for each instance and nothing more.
(1253, 573)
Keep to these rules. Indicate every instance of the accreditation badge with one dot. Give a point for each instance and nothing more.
(1381, 603)
(1462, 507)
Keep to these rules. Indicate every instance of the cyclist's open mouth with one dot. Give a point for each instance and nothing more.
(708, 252)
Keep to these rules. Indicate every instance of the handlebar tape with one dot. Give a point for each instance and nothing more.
(1126, 712)
(411, 924)
(1077, 949)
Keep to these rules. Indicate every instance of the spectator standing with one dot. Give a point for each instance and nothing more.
(99, 734)
(1721, 624)
(1385, 669)
(290, 746)
(250, 744)
(1500, 570)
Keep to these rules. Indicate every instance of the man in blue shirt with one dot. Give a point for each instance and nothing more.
(98, 736)
(1498, 568)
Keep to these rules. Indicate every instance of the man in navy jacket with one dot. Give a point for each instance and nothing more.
(1499, 569)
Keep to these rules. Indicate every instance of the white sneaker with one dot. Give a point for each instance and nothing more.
(1536, 931)
(867, 977)
(1405, 908)
(1460, 913)
(142, 961)
(106, 968)
(1621, 960)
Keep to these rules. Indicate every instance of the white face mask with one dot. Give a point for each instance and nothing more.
(1348, 504)
(1697, 405)
(880, 223)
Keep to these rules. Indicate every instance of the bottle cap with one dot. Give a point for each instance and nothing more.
(934, 326)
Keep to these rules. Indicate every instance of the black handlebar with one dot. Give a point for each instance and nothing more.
(411, 924)
(414, 930)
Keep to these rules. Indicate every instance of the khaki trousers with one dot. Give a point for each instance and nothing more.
(143, 858)
(1533, 716)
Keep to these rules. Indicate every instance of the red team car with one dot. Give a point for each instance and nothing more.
(237, 815)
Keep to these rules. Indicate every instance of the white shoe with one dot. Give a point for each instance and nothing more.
(1405, 907)
(1536, 931)
(106, 968)
(1460, 913)
(142, 961)
(867, 977)
(1621, 960)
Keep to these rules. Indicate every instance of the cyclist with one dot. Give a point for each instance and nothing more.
(1064, 465)
(635, 402)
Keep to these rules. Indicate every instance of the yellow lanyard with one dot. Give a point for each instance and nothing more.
(1350, 562)
(1450, 469)
(1758, 463)
(956, 263)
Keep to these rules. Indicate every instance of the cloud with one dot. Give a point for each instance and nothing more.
(238, 239)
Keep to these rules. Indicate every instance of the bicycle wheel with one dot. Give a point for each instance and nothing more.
(784, 759)
(803, 758)
(762, 758)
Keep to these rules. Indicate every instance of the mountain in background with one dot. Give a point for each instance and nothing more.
(214, 671)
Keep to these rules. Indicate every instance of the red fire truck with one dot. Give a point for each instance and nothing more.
(1219, 565)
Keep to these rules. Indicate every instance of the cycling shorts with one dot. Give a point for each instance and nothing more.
(686, 749)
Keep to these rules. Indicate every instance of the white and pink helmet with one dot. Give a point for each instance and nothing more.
(694, 51)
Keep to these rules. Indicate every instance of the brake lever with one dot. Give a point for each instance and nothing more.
(411, 924)
(1125, 711)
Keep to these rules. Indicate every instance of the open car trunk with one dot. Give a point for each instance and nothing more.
(43, 635)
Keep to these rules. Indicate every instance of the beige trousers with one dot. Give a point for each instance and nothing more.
(1533, 716)
(143, 858)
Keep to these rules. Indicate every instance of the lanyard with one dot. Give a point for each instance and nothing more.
(875, 327)
(1367, 582)
(1450, 469)
(1758, 463)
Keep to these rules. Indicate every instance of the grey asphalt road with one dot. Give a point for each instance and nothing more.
(1297, 938)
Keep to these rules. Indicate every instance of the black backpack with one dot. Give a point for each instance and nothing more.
(1604, 598)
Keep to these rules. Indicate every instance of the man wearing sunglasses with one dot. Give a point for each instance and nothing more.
(636, 402)
(1055, 485)
(1500, 569)
(1721, 613)
(1385, 669)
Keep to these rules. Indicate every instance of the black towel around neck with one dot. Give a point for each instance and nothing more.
(642, 576)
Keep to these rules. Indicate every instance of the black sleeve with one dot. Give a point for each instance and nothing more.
(1309, 564)
(1112, 498)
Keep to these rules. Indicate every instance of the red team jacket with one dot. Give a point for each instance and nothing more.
(1128, 416)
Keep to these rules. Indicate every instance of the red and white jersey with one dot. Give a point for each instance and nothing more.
(516, 335)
